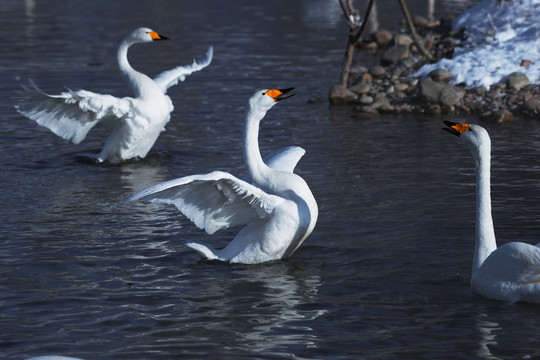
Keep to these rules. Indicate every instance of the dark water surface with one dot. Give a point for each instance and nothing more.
(386, 272)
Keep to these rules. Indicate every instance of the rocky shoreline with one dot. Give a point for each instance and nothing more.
(389, 87)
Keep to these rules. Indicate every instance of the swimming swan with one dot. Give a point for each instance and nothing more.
(135, 123)
(512, 271)
(275, 206)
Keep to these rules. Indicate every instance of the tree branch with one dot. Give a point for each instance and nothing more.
(413, 30)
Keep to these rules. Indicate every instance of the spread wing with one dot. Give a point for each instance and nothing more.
(171, 77)
(71, 114)
(284, 159)
(214, 201)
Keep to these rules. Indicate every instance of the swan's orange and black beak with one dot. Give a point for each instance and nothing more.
(279, 95)
(155, 36)
(456, 128)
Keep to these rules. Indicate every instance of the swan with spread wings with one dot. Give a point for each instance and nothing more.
(274, 206)
(134, 122)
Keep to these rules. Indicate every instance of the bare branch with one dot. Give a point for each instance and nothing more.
(413, 30)
(347, 14)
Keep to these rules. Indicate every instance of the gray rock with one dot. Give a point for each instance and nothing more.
(382, 103)
(394, 54)
(377, 71)
(340, 95)
(449, 96)
(438, 93)
(400, 86)
(532, 106)
(361, 88)
(430, 90)
(517, 80)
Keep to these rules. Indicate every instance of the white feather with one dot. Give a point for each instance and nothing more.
(135, 122)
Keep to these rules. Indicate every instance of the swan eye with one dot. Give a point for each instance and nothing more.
(263, 94)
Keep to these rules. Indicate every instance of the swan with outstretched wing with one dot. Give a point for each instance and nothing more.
(274, 206)
(134, 122)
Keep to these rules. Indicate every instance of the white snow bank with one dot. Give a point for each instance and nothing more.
(501, 35)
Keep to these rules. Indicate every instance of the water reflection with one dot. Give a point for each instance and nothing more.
(138, 176)
(486, 330)
(264, 308)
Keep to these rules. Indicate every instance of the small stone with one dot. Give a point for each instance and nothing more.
(481, 90)
(377, 71)
(365, 100)
(517, 80)
(532, 106)
(440, 74)
(361, 88)
(400, 86)
(498, 86)
(367, 77)
(525, 63)
(339, 95)
(358, 70)
(381, 102)
(394, 54)
(403, 39)
(382, 37)
(529, 88)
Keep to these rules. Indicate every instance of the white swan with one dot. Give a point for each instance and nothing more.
(512, 271)
(135, 123)
(276, 207)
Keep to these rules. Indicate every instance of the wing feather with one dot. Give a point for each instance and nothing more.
(284, 159)
(71, 114)
(214, 201)
(171, 77)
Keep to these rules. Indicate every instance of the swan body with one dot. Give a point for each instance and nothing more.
(511, 272)
(275, 206)
(134, 122)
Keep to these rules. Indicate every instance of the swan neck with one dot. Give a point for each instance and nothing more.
(485, 233)
(254, 163)
(131, 76)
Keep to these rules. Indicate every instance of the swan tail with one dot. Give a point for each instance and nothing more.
(205, 251)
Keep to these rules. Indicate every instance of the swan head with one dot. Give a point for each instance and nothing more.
(472, 135)
(264, 100)
(144, 34)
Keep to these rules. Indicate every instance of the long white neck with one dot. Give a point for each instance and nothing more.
(255, 165)
(485, 234)
(134, 78)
